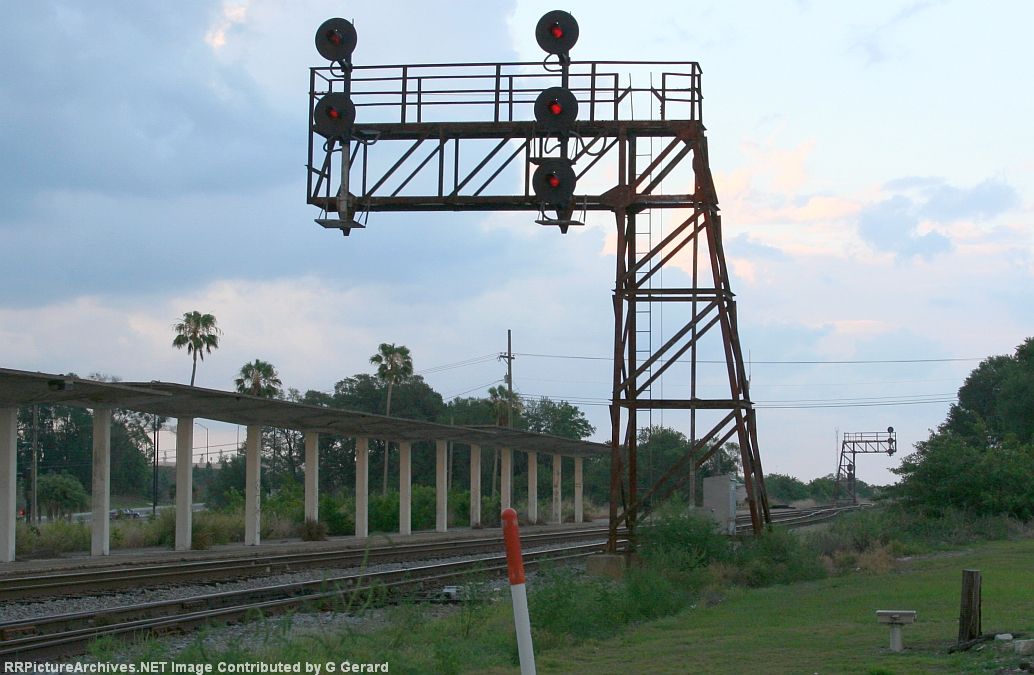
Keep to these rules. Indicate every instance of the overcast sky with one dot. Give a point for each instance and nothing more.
(873, 162)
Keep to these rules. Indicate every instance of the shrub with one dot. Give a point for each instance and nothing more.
(338, 513)
(52, 538)
(459, 507)
(286, 502)
(424, 507)
(682, 539)
(384, 512)
(776, 557)
(491, 511)
(314, 530)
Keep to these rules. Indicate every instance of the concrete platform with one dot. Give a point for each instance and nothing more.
(238, 551)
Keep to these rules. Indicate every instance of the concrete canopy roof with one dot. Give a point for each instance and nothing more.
(19, 388)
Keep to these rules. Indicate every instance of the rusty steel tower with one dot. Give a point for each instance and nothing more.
(560, 139)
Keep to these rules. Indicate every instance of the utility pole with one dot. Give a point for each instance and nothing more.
(509, 379)
(34, 512)
(154, 480)
(508, 356)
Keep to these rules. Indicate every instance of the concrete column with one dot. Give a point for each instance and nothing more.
(8, 481)
(184, 481)
(100, 524)
(579, 510)
(405, 487)
(533, 487)
(475, 486)
(312, 476)
(557, 513)
(362, 487)
(252, 486)
(441, 486)
(506, 478)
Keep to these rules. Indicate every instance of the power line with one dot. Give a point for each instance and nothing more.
(458, 364)
(480, 386)
(755, 361)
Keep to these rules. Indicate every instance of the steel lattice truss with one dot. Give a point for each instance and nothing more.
(408, 153)
(852, 445)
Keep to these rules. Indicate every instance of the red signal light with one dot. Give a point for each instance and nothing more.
(333, 116)
(553, 180)
(555, 107)
(334, 37)
(556, 32)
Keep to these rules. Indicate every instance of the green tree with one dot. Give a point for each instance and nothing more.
(468, 411)
(948, 472)
(558, 419)
(394, 366)
(981, 458)
(199, 334)
(785, 488)
(61, 494)
(996, 399)
(259, 378)
(507, 405)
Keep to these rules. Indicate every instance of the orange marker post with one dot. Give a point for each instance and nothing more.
(518, 592)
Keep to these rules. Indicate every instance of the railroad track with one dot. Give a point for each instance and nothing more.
(70, 634)
(796, 517)
(113, 578)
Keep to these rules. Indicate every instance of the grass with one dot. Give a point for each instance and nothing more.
(829, 626)
(820, 626)
(702, 603)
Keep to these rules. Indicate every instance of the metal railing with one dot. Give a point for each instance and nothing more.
(505, 92)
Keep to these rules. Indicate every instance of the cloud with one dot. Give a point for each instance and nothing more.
(985, 200)
(873, 41)
(918, 219)
(892, 225)
(233, 15)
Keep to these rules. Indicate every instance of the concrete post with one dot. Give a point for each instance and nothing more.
(8, 481)
(506, 478)
(100, 524)
(533, 487)
(441, 487)
(312, 476)
(475, 486)
(558, 516)
(184, 481)
(579, 510)
(252, 486)
(405, 487)
(362, 487)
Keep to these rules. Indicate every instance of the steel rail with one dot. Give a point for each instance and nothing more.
(70, 634)
(113, 577)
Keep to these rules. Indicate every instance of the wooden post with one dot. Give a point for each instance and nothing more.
(969, 614)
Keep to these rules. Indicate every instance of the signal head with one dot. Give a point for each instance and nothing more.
(556, 109)
(336, 39)
(334, 116)
(554, 182)
(556, 32)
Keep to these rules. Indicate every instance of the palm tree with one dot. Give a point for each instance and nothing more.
(259, 378)
(394, 366)
(506, 404)
(199, 334)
